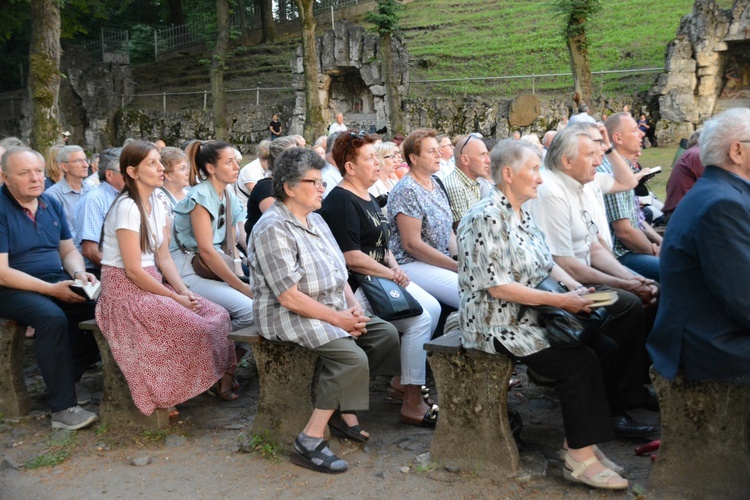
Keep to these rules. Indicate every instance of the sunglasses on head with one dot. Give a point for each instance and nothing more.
(222, 219)
(352, 135)
(461, 151)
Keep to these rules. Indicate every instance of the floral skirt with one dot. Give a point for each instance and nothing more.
(167, 353)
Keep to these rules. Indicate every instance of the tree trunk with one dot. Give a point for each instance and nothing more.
(176, 15)
(579, 63)
(395, 115)
(314, 124)
(217, 69)
(244, 30)
(267, 21)
(44, 73)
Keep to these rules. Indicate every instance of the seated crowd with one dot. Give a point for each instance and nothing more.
(189, 246)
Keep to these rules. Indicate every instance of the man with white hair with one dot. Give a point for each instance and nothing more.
(338, 125)
(38, 263)
(567, 199)
(70, 189)
(703, 326)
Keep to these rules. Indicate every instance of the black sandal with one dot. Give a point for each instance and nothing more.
(304, 457)
(341, 429)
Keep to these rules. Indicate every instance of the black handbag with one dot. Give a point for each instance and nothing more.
(388, 299)
(563, 328)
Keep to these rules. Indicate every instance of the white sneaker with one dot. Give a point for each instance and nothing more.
(83, 395)
(73, 418)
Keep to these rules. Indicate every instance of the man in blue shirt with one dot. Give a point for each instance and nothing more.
(70, 189)
(37, 261)
(93, 207)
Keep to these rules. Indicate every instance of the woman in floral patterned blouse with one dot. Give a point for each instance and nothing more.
(502, 257)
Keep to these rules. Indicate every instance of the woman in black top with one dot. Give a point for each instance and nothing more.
(275, 127)
(361, 232)
(261, 197)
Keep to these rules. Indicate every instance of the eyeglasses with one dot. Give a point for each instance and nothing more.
(80, 160)
(222, 219)
(352, 135)
(461, 151)
(590, 226)
(387, 157)
(317, 183)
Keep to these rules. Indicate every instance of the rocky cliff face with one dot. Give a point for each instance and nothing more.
(696, 60)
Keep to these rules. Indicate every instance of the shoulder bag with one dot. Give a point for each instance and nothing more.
(388, 299)
(563, 328)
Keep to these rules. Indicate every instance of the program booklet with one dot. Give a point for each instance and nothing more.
(87, 290)
(601, 298)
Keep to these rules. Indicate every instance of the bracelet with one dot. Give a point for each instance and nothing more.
(611, 148)
(579, 287)
(79, 271)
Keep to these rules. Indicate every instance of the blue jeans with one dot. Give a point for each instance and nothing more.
(645, 265)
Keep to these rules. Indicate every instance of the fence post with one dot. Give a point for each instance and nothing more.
(257, 97)
(102, 32)
(205, 99)
(156, 46)
(533, 84)
(122, 102)
(333, 22)
(164, 103)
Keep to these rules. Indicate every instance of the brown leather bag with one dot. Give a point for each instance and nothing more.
(228, 245)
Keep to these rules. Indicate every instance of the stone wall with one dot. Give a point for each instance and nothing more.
(687, 93)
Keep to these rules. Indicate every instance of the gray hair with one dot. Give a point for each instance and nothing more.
(694, 138)
(11, 142)
(583, 108)
(262, 149)
(330, 141)
(277, 147)
(109, 160)
(565, 144)
(512, 153)
(291, 166)
(720, 132)
(64, 154)
(14, 150)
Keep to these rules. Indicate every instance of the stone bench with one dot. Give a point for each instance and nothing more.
(473, 433)
(705, 439)
(287, 372)
(14, 398)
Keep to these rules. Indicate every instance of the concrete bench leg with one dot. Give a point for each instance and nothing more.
(705, 439)
(117, 409)
(473, 432)
(286, 379)
(14, 398)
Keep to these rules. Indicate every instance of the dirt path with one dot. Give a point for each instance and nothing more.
(198, 458)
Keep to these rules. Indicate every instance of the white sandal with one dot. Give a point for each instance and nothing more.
(573, 471)
(599, 454)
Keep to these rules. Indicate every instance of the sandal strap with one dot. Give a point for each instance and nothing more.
(326, 460)
(578, 468)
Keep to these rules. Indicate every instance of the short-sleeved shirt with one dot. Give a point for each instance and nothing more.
(430, 207)
(559, 212)
(685, 173)
(125, 215)
(619, 206)
(332, 176)
(495, 248)
(263, 189)
(275, 127)
(357, 224)
(33, 246)
(68, 198)
(283, 253)
(205, 195)
(463, 193)
(337, 127)
(252, 172)
(90, 212)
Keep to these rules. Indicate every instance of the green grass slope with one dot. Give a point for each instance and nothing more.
(481, 38)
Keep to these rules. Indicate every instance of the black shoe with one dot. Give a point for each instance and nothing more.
(627, 428)
(650, 402)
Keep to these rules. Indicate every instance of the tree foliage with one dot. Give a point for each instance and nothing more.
(385, 17)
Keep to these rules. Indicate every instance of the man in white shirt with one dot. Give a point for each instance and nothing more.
(338, 125)
(330, 173)
(447, 162)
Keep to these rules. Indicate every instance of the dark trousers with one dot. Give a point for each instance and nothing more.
(578, 375)
(625, 368)
(63, 351)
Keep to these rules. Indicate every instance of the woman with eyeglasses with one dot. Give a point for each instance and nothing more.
(302, 296)
(362, 234)
(503, 256)
(170, 343)
(204, 229)
(176, 178)
(420, 218)
(389, 157)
